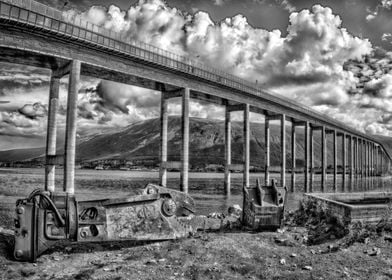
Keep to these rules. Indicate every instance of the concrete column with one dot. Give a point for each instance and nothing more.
(70, 131)
(267, 150)
(283, 150)
(362, 150)
(367, 159)
(377, 160)
(246, 155)
(293, 157)
(351, 162)
(366, 165)
(227, 151)
(306, 156)
(381, 163)
(185, 141)
(323, 159)
(335, 160)
(356, 157)
(163, 140)
(50, 167)
(374, 160)
(311, 157)
(344, 156)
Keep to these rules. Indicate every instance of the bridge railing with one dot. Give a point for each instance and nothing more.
(53, 20)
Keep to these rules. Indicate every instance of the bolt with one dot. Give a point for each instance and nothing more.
(83, 234)
(18, 253)
(20, 210)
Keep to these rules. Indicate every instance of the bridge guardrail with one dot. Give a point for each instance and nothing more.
(43, 16)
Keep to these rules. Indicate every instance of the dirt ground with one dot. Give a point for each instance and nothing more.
(236, 254)
(223, 255)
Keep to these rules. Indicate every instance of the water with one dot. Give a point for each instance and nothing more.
(206, 188)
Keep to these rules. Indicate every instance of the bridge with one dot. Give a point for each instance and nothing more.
(37, 35)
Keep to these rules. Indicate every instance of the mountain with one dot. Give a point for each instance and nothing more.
(139, 143)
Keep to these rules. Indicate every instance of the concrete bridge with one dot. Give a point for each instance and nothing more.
(37, 35)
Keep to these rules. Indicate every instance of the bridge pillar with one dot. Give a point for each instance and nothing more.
(378, 160)
(374, 159)
(185, 141)
(335, 160)
(267, 149)
(351, 162)
(283, 150)
(367, 156)
(344, 156)
(70, 131)
(50, 167)
(362, 159)
(227, 151)
(323, 159)
(355, 163)
(293, 156)
(368, 161)
(311, 158)
(163, 141)
(246, 150)
(306, 156)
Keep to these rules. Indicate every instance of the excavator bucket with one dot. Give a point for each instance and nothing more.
(264, 206)
(47, 218)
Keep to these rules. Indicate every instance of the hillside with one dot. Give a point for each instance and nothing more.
(139, 143)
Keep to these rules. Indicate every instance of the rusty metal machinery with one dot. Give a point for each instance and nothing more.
(47, 218)
(264, 206)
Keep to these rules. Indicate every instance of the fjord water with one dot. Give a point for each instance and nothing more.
(206, 188)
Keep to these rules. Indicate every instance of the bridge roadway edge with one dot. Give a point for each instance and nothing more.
(111, 65)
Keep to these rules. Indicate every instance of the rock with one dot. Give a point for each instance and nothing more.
(374, 252)
(284, 242)
(235, 210)
(282, 261)
(151, 262)
(293, 255)
(161, 260)
(366, 240)
(307, 267)
(56, 258)
(68, 249)
(281, 230)
(216, 215)
(388, 238)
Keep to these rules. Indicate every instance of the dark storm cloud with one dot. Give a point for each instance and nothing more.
(118, 97)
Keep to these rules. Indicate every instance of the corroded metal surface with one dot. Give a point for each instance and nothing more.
(264, 206)
(45, 218)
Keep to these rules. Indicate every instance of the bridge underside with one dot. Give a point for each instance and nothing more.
(362, 157)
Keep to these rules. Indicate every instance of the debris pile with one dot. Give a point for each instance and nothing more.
(321, 224)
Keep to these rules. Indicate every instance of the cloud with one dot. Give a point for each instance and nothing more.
(219, 2)
(33, 111)
(380, 87)
(386, 36)
(308, 63)
(119, 97)
(286, 5)
(17, 124)
(381, 6)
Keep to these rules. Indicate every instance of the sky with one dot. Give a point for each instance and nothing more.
(333, 56)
